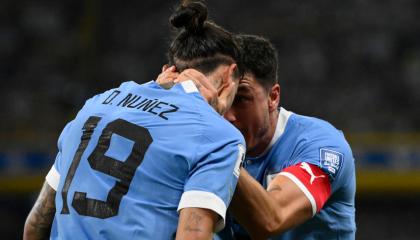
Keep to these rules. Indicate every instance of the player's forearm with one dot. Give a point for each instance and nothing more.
(34, 233)
(38, 223)
(196, 224)
(254, 208)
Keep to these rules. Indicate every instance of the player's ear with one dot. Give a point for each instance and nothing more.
(233, 68)
(229, 74)
(274, 97)
(227, 78)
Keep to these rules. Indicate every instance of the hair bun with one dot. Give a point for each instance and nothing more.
(191, 15)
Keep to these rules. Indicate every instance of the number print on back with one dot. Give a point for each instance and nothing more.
(124, 171)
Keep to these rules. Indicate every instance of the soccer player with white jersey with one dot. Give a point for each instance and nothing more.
(299, 181)
(142, 162)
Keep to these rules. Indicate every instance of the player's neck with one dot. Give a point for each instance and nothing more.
(264, 142)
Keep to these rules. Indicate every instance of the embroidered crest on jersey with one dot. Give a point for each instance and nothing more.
(331, 161)
(239, 160)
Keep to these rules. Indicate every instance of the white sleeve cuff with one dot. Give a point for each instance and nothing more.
(207, 200)
(53, 178)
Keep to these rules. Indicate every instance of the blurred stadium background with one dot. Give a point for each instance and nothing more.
(354, 63)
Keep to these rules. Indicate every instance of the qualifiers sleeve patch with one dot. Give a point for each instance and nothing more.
(313, 182)
(331, 161)
(239, 160)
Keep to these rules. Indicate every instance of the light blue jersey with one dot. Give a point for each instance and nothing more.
(301, 139)
(135, 155)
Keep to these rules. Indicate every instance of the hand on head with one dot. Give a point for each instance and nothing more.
(167, 76)
(170, 76)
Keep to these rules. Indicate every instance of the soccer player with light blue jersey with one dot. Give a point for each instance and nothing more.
(135, 155)
(142, 162)
(298, 180)
(309, 155)
(299, 177)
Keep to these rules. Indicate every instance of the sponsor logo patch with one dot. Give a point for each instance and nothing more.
(331, 161)
(308, 169)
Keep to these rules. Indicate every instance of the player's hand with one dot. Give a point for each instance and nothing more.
(167, 76)
(207, 90)
(170, 76)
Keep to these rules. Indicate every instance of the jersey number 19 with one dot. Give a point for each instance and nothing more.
(124, 171)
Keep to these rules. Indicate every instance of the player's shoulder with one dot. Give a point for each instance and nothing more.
(216, 128)
(314, 129)
(321, 144)
(109, 93)
(311, 124)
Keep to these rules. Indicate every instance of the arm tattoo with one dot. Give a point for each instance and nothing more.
(194, 220)
(38, 223)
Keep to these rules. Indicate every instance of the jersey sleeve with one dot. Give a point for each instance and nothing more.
(213, 177)
(320, 163)
(53, 176)
(327, 149)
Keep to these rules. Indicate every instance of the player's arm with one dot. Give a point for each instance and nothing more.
(213, 175)
(39, 221)
(265, 213)
(196, 223)
(288, 201)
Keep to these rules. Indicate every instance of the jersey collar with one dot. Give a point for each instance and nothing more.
(281, 126)
(187, 86)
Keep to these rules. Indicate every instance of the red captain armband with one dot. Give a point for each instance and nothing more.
(313, 182)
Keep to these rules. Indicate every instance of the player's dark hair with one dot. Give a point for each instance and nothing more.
(259, 57)
(200, 44)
